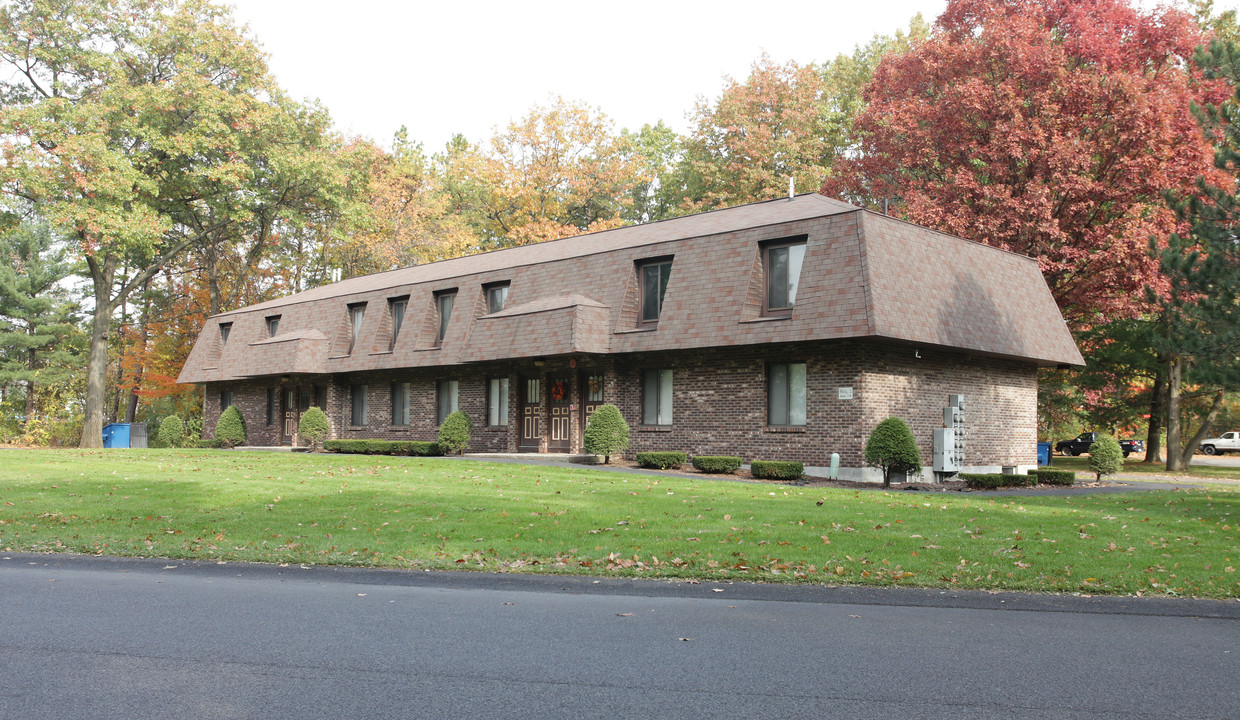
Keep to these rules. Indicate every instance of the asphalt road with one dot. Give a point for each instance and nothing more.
(90, 638)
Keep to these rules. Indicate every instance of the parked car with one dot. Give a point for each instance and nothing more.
(1080, 444)
(1225, 443)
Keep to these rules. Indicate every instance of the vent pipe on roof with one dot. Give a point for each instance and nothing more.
(792, 187)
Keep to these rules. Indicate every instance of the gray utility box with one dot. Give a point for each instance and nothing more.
(948, 450)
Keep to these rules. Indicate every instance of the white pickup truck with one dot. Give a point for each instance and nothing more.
(1225, 443)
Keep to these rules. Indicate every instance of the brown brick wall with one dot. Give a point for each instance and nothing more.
(719, 401)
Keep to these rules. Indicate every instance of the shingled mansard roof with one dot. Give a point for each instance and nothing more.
(864, 275)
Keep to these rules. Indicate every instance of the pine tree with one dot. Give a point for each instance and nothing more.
(1198, 330)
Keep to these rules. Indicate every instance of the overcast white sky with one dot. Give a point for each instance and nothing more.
(445, 67)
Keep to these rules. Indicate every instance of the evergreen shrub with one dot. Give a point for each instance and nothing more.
(171, 432)
(891, 448)
(716, 463)
(606, 432)
(454, 433)
(661, 460)
(1047, 476)
(1105, 456)
(777, 469)
(230, 430)
(313, 426)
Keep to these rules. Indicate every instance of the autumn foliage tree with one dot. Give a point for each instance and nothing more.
(1049, 128)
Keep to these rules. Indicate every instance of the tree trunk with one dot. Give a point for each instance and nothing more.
(1175, 451)
(101, 276)
(1158, 407)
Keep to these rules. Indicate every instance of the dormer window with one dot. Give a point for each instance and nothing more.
(273, 325)
(443, 306)
(652, 277)
(396, 306)
(782, 264)
(357, 311)
(497, 297)
(225, 329)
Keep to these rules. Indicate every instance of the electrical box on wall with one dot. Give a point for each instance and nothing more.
(949, 440)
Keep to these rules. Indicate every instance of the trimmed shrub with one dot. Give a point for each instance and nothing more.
(230, 430)
(606, 433)
(891, 448)
(1105, 456)
(777, 469)
(994, 481)
(313, 426)
(716, 463)
(193, 430)
(208, 444)
(662, 460)
(172, 432)
(383, 447)
(1047, 476)
(454, 433)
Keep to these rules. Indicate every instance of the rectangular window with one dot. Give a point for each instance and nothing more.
(497, 297)
(400, 403)
(497, 401)
(357, 415)
(657, 397)
(443, 305)
(226, 399)
(785, 394)
(273, 325)
(783, 275)
(271, 406)
(305, 395)
(448, 390)
(320, 397)
(356, 313)
(397, 309)
(225, 329)
(652, 283)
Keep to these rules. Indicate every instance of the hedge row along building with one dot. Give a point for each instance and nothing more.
(780, 330)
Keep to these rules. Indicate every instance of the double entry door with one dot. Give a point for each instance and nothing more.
(556, 391)
(295, 400)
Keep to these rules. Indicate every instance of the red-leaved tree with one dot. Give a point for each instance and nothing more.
(1051, 128)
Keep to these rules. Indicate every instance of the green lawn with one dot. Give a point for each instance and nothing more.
(1133, 467)
(443, 513)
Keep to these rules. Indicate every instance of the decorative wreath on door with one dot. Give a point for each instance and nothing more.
(557, 390)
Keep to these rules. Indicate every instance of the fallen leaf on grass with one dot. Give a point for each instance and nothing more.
(624, 614)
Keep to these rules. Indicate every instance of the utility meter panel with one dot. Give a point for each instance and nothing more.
(949, 440)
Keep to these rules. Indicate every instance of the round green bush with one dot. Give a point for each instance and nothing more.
(313, 426)
(171, 432)
(454, 433)
(891, 448)
(606, 433)
(661, 459)
(1105, 456)
(777, 469)
(230, 430)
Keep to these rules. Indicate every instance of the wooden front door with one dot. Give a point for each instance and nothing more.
(591, 396)
(288, 409)
(531, 415)
(561, 403)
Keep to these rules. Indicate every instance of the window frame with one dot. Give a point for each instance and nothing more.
(441, 329)
(490, 288)
(225, 331)
(398, 320)
(272, 323)
(789, 396)
(449, 390)
(357, 316)
(272, 395)
(642, 267)
(790, 289)
(660, 381)
(226, 400)
(354, 390)
(497, 414)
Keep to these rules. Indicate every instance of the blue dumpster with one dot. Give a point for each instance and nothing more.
(116, 435)
(1044, 453)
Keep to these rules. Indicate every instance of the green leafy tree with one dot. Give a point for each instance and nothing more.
(142, 128)
(313, 426)
(230, 430)
(891, 448)
(1105, 456)
(606, 432)
(171, 432)
(454, 433)
(36, 314)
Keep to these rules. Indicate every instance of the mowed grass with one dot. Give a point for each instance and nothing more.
(429, 513)
(1133, 467)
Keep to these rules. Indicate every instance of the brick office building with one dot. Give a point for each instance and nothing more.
(781, 330)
